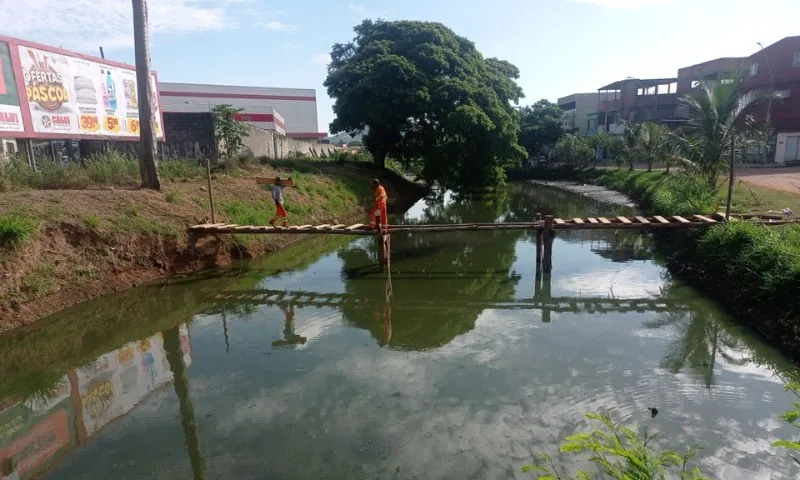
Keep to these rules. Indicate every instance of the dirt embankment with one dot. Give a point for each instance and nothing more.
(98, 241)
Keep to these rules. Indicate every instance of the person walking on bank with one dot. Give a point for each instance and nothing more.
(379, 210)
(277, 197)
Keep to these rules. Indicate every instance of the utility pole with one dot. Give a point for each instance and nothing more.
(772, 91)
(148, 166)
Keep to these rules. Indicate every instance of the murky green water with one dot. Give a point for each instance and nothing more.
(312, 363)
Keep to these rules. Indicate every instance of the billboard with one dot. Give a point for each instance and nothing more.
(63, 95)
(10, 112)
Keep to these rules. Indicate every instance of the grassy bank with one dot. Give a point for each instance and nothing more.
(753, 269)
(71, 233)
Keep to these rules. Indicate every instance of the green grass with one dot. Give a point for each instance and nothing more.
(756, 199)
(92, 221)
(38, 281)
(103, 169)
(173, 196)
(15, 230)
(132, 222)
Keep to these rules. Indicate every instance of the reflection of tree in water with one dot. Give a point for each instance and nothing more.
(290, 339)
(460, 273)
(703, 337)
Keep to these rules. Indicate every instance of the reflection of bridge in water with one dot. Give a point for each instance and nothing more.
(303, 299)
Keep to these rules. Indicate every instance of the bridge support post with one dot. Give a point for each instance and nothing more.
(539, 243)
(385, 247)
(549, 235)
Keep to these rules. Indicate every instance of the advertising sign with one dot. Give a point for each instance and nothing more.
(10, 112)
(78, 97)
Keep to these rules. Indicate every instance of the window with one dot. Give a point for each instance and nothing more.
(695, 83)
(754, 69)
(796, 62)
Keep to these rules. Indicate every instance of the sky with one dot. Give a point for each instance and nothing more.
(560, 46)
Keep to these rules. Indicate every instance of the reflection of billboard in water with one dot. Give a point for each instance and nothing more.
(113, 384)
(33, 432)
(37, 432)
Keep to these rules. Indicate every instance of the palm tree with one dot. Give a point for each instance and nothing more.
(148, 168)
(651, 143)
(630, 132)
(718, 128)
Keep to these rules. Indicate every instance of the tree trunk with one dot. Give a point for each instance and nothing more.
(731, 177)
(148, 166)
(380, 158)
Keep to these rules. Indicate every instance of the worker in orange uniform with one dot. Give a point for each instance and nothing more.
(277, 197)
(380, 205)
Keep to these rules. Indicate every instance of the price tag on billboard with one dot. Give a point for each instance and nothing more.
(112, 124)
(133, 126)
(90, 123)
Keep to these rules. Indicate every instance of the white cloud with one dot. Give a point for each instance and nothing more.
(321, 58)
(276, 26)
(90, 23)
(622, 3)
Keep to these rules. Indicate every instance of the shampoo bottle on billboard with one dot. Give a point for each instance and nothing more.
(112, 91)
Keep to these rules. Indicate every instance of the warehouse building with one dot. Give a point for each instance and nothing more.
(292, 111)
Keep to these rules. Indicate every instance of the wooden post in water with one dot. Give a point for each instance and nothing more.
(538, 243)
(548, 234)
(384, 245)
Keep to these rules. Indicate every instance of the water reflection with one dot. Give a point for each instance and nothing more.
(458, 363)
(39, 430)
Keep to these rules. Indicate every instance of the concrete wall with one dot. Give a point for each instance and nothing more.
(780, 147)
(582, 105)
(297, 107)
(268, 144)
(188, 134)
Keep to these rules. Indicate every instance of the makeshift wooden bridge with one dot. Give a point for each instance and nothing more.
(544, 225)
(538, 302)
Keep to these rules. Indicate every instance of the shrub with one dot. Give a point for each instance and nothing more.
(111, 168)
(15, 230)
(187, 168)
(173, 196)
(622, 454)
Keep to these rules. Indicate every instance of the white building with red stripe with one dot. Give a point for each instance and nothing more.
(292, 111)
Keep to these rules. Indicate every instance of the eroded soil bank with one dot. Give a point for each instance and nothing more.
(97, 241)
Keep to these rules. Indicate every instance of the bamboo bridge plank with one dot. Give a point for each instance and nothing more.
(643, 220)
(705, 219)
(354, 227)
(559, 221)
(579, 221)
(681, 219)
(604, 220)
(661, 220)
(624, 220)
(592, 220)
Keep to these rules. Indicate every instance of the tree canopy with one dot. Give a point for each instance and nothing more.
(540, 126)
(427, 96)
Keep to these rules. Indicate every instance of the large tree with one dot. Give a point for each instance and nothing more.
(427, 96)
(540, 126)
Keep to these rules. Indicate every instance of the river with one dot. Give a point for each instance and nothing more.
(462, 363)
